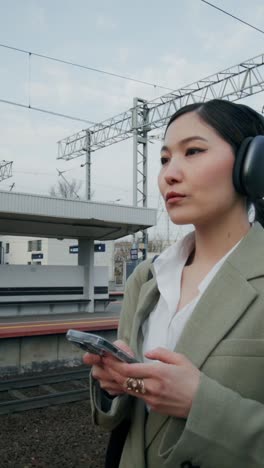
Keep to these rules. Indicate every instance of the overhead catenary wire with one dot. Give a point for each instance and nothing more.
(46, 111)
(105, 186)
(86, 67)
(233, 16)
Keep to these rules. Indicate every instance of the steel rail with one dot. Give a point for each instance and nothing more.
(14, 406)
(35, 381)
(21, 402)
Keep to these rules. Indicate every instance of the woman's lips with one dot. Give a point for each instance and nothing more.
(174, 197)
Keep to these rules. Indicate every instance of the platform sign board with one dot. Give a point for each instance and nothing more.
(134, 254)
(74, 249)
(99, 247)
(36, 256)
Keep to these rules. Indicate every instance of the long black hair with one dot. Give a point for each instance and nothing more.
(233, 122)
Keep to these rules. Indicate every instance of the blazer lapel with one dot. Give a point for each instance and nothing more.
(223, 303)
(226, 299)
(148, 298)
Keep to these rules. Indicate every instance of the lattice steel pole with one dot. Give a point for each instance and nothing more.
(140, 114)
(140, 151)
(88, 165)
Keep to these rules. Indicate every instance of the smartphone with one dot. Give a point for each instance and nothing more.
(97, 345)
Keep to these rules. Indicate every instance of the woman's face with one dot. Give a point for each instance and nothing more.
(195, 179)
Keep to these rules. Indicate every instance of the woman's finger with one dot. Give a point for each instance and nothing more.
(100, 373)
(129, 370)
(91, 359)
(122, 345)
(112, 388)
(166, 356)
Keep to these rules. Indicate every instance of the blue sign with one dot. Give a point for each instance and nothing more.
(99, 247)
(134, 254)
(74, 249)
(36, 256)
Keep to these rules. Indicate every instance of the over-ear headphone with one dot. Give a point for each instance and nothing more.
(248, 172)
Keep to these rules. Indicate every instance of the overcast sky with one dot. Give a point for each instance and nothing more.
(170, 43)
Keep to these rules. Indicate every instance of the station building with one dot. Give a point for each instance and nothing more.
(21, 250)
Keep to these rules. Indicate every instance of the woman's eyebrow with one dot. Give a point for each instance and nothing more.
(165, 148)
(191, 138)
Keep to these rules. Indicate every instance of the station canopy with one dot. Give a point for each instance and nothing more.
(25, 214)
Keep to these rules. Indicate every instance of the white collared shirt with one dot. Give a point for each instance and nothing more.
(164, 325)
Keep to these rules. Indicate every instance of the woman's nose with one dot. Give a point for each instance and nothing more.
(173, 172)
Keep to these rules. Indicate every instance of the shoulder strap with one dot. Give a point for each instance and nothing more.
(150, 272)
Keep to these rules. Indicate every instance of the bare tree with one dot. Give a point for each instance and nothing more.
(121, 255)
(157, 244)
(65, 189)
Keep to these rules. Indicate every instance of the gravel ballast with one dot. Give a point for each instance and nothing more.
(59, 436)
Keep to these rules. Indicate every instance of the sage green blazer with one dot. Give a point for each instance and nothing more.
(224, 338)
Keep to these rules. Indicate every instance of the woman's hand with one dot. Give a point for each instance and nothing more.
(100, 370)
(170, 384)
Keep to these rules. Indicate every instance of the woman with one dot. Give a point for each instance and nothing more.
(197, 325)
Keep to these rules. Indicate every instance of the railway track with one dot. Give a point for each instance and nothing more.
(24, 393)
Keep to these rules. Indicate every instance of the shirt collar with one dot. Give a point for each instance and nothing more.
(176, 256)
(204, 283)
(168, 268)
(179, 251)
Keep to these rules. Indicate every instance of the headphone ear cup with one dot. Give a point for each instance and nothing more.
(238, 165)
(248, 172)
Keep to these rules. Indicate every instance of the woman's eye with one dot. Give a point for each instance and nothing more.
(191, 151)
(164, 160)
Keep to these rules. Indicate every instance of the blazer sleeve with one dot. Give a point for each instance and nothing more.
(223, 429)
(108, 412)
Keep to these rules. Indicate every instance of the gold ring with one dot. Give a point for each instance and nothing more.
(142, 384)
(136, 385)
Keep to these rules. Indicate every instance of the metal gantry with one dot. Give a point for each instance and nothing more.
(5, 169)
(234, 83)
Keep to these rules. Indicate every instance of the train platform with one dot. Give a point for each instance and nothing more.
(29, 325)
(19, 326)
